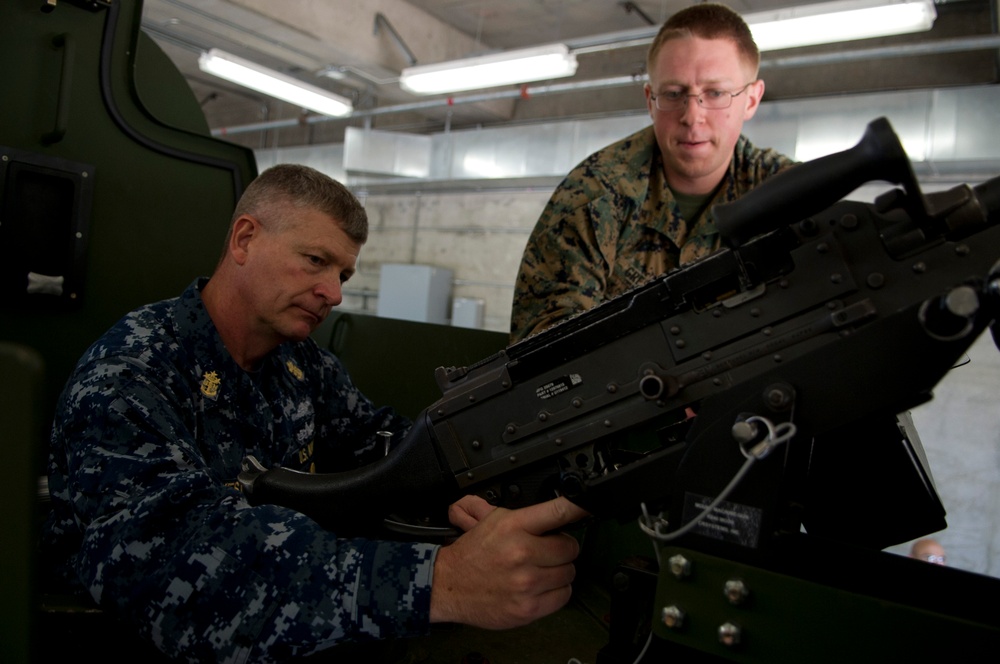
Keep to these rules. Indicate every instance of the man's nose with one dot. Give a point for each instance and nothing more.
(331, 291)
(693, 110)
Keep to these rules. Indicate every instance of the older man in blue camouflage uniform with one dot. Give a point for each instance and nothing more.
(642, 206)
(152, 427)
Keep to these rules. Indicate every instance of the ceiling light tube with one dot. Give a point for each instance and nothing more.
(842, 20)
(272, 83)
(539, 63)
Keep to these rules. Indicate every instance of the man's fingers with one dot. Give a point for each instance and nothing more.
(468, 511)
(550, 515)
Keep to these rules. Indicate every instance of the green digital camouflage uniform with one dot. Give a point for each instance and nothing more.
(148, 440)
(612, 224)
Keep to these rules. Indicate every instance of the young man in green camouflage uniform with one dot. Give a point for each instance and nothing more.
(153, 425)
(642, 206)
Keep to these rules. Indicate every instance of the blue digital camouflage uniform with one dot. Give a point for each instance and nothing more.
(613, 224)
(149, 437)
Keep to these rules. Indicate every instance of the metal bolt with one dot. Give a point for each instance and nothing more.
(777, 398)
(919, 267)
(876, 280)
(736, 591)
(673, 617)
(729, 634)
(849, 221)
(476, 444)
(962, 250)
(679, 566)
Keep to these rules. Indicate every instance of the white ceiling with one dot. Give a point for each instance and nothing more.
(366, 44)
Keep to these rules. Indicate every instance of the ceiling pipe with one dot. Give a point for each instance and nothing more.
(904, 50)
(383, 22)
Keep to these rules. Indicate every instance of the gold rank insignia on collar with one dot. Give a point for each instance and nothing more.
(294, 370)
(210, 385)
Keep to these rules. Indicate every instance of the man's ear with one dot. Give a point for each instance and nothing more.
(755, 92)
(648, 91)
(245, 229)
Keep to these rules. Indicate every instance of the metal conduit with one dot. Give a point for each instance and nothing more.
(905, 50)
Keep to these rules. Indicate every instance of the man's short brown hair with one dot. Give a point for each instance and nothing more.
(286, 186)
(707, 21)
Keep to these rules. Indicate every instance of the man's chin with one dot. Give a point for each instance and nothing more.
(299, 332)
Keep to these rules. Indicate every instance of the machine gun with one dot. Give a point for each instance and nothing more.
(805, 340)
(829, 317)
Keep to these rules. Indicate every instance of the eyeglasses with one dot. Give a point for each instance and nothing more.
(935, 558)
(715, 100)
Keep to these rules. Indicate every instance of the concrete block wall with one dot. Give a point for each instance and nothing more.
(480, 237)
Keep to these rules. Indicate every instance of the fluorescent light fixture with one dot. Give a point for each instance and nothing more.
(272, 83)
(842, 20)
(488, 71)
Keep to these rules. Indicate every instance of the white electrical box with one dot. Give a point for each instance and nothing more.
(414, 292)
(467, 312)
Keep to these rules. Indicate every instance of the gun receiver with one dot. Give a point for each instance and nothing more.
(829, 317)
